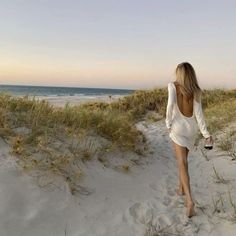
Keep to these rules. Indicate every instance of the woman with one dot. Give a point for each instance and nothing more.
(184, 105)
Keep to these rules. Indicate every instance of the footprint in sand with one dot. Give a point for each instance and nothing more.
(141, 213)
(148, 214)
(157, 220)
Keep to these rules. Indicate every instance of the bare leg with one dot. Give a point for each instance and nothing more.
(181, 156)
(180, 189)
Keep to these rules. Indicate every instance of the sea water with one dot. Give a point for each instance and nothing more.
(62, 95)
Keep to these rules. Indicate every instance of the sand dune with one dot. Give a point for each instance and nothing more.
(141, 202)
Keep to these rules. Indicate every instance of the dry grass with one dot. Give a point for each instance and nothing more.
(220, 114)
(225, 205)
(204, 154)
(218, 177)
(142, 101)
(218, 204)
(57, 139)
(41, 117)
(227, 143)
(219, 109)
(233, 205)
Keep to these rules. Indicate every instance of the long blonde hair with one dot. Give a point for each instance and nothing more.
(186, 78)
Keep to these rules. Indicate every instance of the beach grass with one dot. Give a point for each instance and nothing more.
(219, 108)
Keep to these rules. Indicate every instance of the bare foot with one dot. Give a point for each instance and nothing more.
(190, 210)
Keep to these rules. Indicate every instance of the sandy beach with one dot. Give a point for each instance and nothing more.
(139, 202)
(75, 100)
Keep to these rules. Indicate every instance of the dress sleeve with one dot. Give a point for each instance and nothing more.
(200, 119)
(170, 105)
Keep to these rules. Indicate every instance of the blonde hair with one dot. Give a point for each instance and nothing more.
(186, 78)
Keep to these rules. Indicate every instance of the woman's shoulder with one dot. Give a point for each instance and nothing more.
(170, 84)
(173, 83)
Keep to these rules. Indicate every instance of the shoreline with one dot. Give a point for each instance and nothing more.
(61, 101)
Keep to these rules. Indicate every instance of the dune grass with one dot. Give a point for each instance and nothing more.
(55, 140)
(220, 114)
(219, 108)
(41, 117)
(227, 143)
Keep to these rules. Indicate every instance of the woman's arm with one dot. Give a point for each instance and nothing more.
(170, 105)
(200, 119)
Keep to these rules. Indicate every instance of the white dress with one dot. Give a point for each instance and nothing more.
(184, 129)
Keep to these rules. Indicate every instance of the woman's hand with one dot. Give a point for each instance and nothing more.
(209, 140)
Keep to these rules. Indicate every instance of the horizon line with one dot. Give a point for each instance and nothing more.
(52, 86)
(130, 89)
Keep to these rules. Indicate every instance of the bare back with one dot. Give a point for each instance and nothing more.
(184, 104)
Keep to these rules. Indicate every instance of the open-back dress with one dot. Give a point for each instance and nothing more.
(183, 129)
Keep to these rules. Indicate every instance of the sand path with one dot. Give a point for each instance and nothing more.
(140, 203)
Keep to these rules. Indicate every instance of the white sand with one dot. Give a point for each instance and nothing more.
(61, 101)
(141, 202)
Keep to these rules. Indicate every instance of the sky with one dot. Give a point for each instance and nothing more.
(129, 44)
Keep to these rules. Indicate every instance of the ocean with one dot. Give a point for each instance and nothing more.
(21, 90)
(60, 96)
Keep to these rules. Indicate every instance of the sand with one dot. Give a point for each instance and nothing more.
(61, 101)
(141, 202)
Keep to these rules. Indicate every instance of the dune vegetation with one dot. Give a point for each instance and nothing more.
(58, 140)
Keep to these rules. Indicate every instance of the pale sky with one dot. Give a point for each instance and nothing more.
(116, 44)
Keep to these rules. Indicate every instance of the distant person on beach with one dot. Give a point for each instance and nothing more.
(184, 105)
